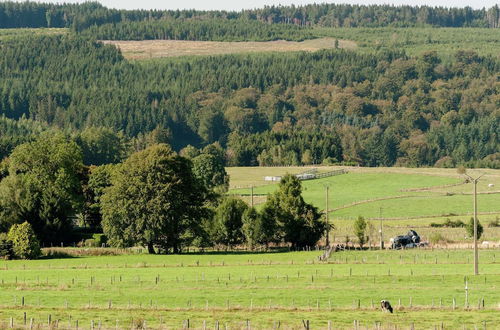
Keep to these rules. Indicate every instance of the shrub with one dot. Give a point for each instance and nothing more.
(494, 223)
(5, 247)
(445, 162)
(449, 224)
(89, 242)
(24, 242)
(359, 230)
(438, 238)
(470, 228)
(100, 239)
(329, 161)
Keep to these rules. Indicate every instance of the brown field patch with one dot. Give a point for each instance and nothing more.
(146, 49)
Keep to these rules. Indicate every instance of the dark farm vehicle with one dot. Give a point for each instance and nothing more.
(408, 241)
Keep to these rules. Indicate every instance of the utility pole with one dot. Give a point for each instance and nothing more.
(251, 194)
(476, 253)
(380, 230)
(327, 218)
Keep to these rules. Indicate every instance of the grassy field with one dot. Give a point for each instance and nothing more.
(415, 41)
(264, 288)
(400, 192)
(404, 198)
(6, 34)
(170, 48)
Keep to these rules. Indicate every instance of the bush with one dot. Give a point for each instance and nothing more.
(329, 161)
(24, 242)
(445, 162)
(359, 231)
(5, 247)
(100, 239)
(449, 224)
(97, 240)
(89, 243)
(470, 228)
(494, 223)
(438, 238)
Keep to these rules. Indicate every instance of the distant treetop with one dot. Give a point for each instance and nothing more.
(82, 16)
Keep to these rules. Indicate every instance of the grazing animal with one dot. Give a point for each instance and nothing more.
(386, 306)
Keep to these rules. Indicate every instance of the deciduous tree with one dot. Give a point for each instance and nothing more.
(154, 200)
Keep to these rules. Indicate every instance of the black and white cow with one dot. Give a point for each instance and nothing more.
(386, 306)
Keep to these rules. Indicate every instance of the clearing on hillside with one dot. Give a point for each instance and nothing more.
(146, 49)
(6, 34)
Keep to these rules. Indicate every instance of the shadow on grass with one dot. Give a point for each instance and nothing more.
(238, 252)
(58, 255)
(74, 253)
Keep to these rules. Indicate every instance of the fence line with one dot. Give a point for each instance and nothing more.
(199, 323)
(331, 173)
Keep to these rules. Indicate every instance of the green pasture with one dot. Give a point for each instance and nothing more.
(427, 205)
(6, 34)
(415, 41)
(344, 228)
(382, 193)
(264, 288)
(256, 319)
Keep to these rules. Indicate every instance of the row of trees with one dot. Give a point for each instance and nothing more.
(381, 109)
(156, 198)
(284, 218)
(204, 30)
(82, 16)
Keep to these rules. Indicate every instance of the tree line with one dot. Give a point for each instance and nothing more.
(203, 30)
(156, 198)
(83, 16)
(331, 106)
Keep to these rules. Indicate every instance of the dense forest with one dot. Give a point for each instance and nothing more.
(203, 30)
(269, 109)
(380, 108)
(83, 16)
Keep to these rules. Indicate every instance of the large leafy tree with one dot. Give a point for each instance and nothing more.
(98, 178)
(43, 187)
(211, 171)
(299, 223)
(154, 200)
(251, 220)
(102, 145)
(228, 222)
